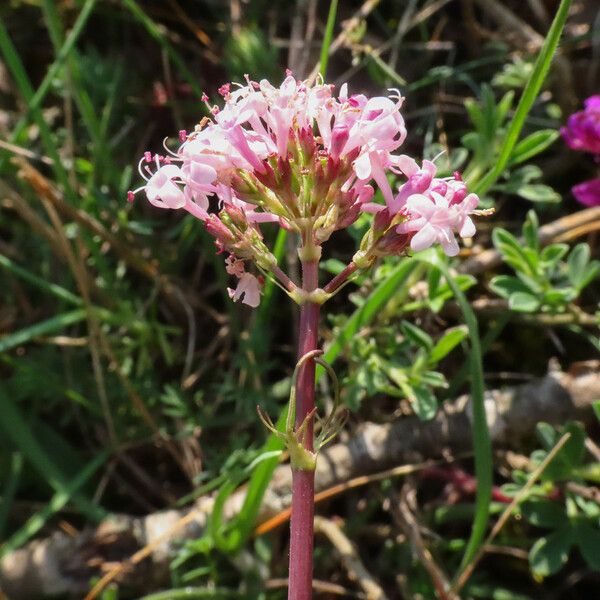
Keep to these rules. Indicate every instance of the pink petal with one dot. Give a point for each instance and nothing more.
(421, 205)
(425, 238)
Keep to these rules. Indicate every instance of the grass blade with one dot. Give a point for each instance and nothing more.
(35, 99)
(482, 444)
(328, 37)
(58, 502)
(39, 282)
(10, 488)
(16, 429)
(156, 33)
(54, 323)
(530, 93)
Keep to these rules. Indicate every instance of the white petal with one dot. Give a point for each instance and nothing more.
(421, 205)
(468, 228)
(362, 166)
(449, 243)
(424, 238)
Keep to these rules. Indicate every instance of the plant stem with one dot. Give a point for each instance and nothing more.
(340, 279)
(303, 482)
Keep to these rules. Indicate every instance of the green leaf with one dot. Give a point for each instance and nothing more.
(424, 402)
(512, 250)
(596, 407)
(370, 308)
(531, 230)
(507, 285)
(553, 253)
(538, 192)
(523, 302)
(581, 272)
(549, 554)
(547, 435)
(588, 540)
(416, 335)
(578, 261)
(533, 145)
(559, 296)
(434, 379)
(475, 113)
(447, 343)
(543, 513)
(570, 455)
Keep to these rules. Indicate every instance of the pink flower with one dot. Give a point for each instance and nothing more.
(588, 192)
(434, 209)
(583, 128)
(234, 266)
(161, 189)
(435, 220)
(299, 156)
(248, 289)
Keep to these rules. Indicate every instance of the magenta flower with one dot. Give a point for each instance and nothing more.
(583, 133)
(588, 192)
(583, 128)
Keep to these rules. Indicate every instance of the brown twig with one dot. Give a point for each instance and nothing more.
(350, 558)
(404, 516)
(282, 517)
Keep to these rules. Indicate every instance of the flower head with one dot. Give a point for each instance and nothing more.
(310, 160)
(582, 131)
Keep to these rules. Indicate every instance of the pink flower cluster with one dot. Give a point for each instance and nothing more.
(426, 210)
(582, 132)
(306, 159)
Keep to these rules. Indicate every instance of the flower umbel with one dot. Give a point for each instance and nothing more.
(310, 161)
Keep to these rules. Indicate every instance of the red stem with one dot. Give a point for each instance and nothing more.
(303, 482)
(340, 278)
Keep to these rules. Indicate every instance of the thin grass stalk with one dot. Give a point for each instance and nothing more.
(529, 96)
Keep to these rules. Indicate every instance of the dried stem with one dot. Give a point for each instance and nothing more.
(350, 558)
